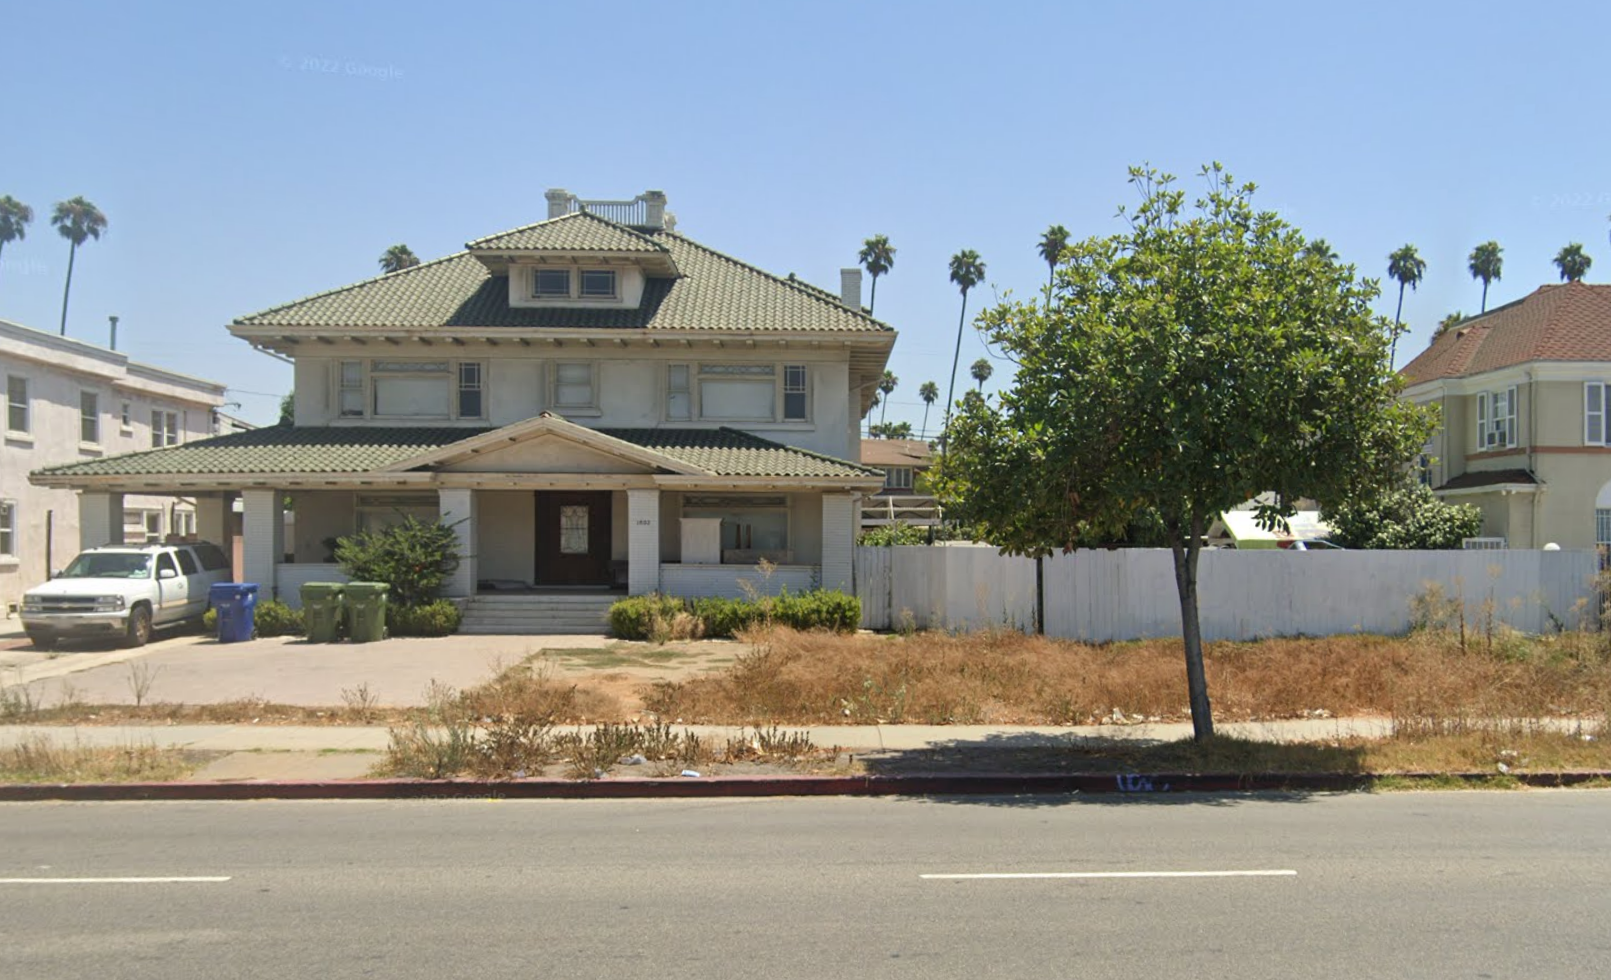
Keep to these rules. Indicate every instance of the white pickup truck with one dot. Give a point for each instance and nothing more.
(123, 592)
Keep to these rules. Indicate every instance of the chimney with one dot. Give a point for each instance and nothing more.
(850, 288)
(559, 202)
(114, 331)
(654, 209)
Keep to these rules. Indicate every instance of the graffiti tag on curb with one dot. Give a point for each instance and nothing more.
(1134, 782)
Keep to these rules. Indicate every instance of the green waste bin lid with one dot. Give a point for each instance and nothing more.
(367, 588)
(321, 588)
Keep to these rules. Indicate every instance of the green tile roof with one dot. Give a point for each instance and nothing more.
(577, 232)
(714, 292)
(287, 449)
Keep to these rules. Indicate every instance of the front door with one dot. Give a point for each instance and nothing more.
(573, 538)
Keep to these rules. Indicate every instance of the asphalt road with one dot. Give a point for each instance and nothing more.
(1400, 885)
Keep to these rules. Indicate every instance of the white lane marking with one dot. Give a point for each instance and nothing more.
(169, 880)
(1271, 873)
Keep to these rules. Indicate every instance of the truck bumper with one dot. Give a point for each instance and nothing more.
(74, 625)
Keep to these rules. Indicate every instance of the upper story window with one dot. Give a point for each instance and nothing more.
(551, 283)
(1595, 407)
(563, 283)
(411, 389)
(897, 478)
(89, 417)
(164, 429)
(125, 418)
(574, 388)
(17, 408)
(8, 528)
(598, 284)
(1496, 419)
(738, 393)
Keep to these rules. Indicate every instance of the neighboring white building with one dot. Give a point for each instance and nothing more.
(595, 401)
(71, 402)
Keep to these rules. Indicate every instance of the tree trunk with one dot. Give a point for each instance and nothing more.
(1186, 554)
(1484, 296)
(72, 252)
(883, 406)
(925, 433)
(1392, 353)
(951, 389)
(872, 301)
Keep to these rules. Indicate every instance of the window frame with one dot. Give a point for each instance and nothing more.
(1595, 415)
(889, 478)
(164, 428)
(8, 529)
(26, 406)
(126, 419)
(592, 407)
(89, 417)
(367, 391)
(1496, 432)
(537, 278)
(725, 372)
(686, 389)
(581, 284)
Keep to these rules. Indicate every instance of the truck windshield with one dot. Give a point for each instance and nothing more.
(109, 565)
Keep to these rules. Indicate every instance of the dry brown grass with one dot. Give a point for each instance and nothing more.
(1425, 682)
(41, 759)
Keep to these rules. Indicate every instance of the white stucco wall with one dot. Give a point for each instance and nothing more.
(506, 529)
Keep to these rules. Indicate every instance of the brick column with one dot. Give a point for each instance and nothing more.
(262, 538)
(838, 542)
(100, 520)
(643, 541)
(457, 507)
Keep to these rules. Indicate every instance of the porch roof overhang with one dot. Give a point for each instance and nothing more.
(443, 457)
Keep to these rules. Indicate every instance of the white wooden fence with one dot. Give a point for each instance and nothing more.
(1242, 595)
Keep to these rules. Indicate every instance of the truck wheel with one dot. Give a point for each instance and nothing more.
(138, 632)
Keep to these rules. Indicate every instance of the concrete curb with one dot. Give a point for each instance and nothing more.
(935, 784)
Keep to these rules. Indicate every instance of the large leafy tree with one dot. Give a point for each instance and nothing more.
(1405, 266)
(1407, 515)
(397, 258)
(877, 256)
(78, 221)
(930, 393)
(1486, 262)
(1201, 358)
(15, 217)
(967, 271)
(981, 371)
(886, 387)
(1052, 242)
(1573, 262)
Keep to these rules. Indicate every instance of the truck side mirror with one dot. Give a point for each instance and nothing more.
(167, 573)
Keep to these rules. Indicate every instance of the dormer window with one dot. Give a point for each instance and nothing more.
(551, 284)
(598, 284)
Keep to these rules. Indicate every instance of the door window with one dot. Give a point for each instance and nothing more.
(187, 563)
(165, 564)
(573, 529)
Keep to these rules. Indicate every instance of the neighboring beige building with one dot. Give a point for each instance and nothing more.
(905, 498)
(1526, 433)
(596, 402)
(70, 402)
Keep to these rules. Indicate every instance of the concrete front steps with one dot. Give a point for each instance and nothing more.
(538, 615)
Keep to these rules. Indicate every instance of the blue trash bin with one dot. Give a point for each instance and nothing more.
(234, 602)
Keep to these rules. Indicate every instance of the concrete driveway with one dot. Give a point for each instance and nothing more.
(195, 669)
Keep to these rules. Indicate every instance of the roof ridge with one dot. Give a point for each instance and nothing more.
(798, 285)
(627, 229)
(351, 286)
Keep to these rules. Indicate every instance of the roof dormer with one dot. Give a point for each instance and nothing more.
(578, 259)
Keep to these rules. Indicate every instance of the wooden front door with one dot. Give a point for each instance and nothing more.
(573, 538)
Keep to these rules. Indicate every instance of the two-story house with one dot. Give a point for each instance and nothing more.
(1526, 430)
(905, 497)
(594, 401)
(72, 402)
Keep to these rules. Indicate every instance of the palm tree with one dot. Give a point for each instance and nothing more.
(1320, 249)
(14, 219)
(78, 221)
(981, 372)
(877, 400)
(877, 256)
(930, 393)
(1486, 262)
(1448, 323)
(966, 271)
(1573, 262)
(397, 258)
(886, 386)
(1051, 248)
(1407, 267)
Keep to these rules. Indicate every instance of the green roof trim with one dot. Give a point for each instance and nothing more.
(364, 449)
(579, 231)
(715, 292)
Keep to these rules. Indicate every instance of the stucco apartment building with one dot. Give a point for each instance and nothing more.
(71, 402)
(1526, 431)
(595, 402)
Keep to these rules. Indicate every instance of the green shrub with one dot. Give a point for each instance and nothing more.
(727, 617)
(270, 618)
(642, 617)
(891, 534)
(819, 609)
(437, 618)
(413, 557)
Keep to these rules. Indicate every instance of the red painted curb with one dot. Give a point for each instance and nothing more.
(935, 784)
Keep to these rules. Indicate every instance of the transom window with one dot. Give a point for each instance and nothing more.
(723, 392)
(1496, 419)
(17, 404)
(89, 417)
(411, 389)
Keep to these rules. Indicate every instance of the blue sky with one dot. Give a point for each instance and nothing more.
(237, 174)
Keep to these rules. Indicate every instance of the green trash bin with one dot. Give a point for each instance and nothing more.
(321, 610)
(366, 611)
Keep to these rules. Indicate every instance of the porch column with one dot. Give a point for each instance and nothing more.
(212, 519)
(643, 541)
(838, 541)
(457, 508)
(100, 519)
(262, 538)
